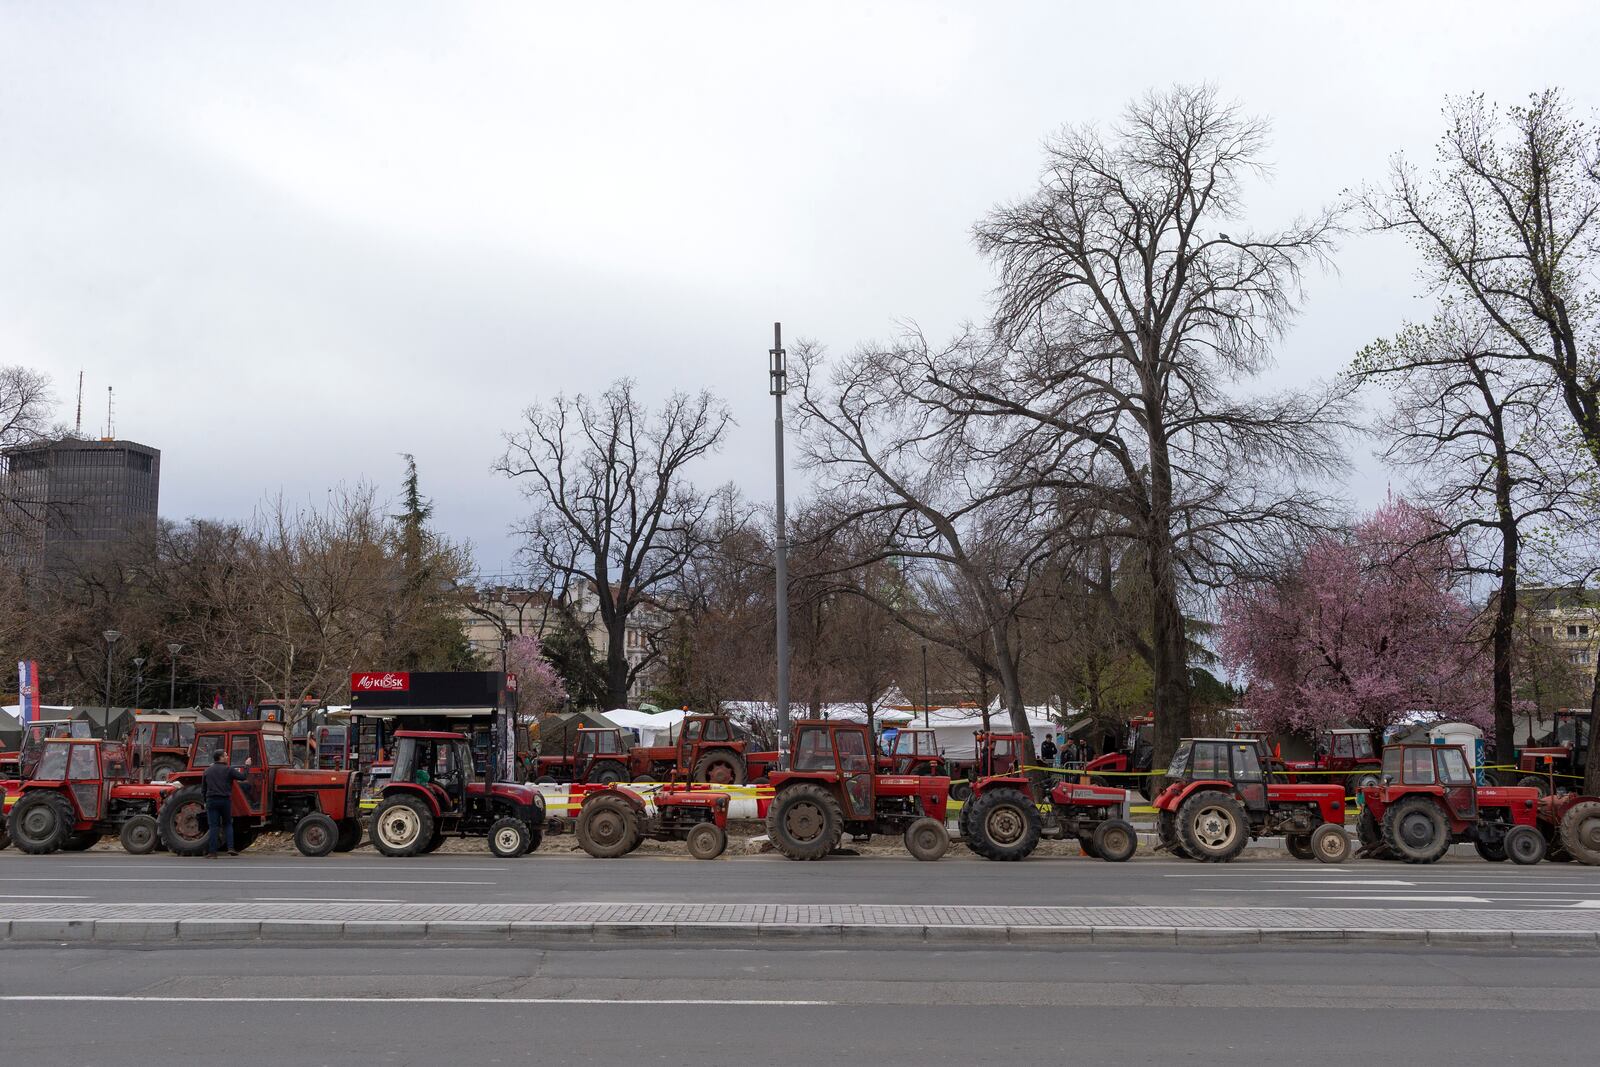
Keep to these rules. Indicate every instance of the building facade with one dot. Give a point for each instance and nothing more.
(1566, 618)
(68, 500)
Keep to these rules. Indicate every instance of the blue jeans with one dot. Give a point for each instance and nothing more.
(219, 814)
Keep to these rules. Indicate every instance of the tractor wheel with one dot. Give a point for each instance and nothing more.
(964, 827)
(1330, 844)
(41, 822)
(1524, 845)
(1298, 846)
(608, 827)
(164, 767)
(1167, 831)
(707, 841)
(5, 838)
(316, 834)
(927, 839)
(961, 791)
(509, 837)
(245, 832)
(719, 768)
(433, 843)
(1086, 843)
(139, 835)
(804, 822)
(81, 840)
(1533, 781)
(1212, 826)
(1115, 841)
(1580, 832)
(1357, 783)
(401, 826)
(1416, 830)
(1005, 825)
(608, 773)
(349, 835)
(182, 822)
(535, 838)
(1493, 853)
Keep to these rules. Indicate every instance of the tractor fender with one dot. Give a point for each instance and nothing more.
(415, 790)
(1111, 761)
(635, 801)
(1000, 781)
(1185, 790)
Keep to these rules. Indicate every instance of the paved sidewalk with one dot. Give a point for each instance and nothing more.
(811, 923)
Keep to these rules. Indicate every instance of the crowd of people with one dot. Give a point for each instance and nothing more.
(1064, 751)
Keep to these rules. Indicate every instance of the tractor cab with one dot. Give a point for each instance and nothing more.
(1235, 762)
(40, 731)
(840, 751)
(160, 744)
(434, 792)
(914, 751)
(998, 753)
(256, 748)
(440, 762)
(596, 746)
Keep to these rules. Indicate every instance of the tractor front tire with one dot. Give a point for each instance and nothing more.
(1524, 846)
(706, 841)
(1534, 781)
(401, 826)
(608, 827)
(41, 822)
(1416, 830)
(316, 834)
(1005, 825)
(1298, 846)
(1580, 832)
(182, 822)
(1490, 853)
(960, 791)
(349, 835)
(927, 839)
(1167, 831)
(719, 768)
(608, 773)
(804, 822)
(139, 835)
(1330, 844)
(1115, 841)
(509, 837)
(1212, 826)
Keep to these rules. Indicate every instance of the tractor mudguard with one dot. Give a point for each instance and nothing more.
(1188, 789)
(428, 796)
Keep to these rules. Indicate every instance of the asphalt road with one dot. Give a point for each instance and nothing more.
(1267, 881)
(83, 1006)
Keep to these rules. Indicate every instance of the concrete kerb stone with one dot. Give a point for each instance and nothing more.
(218, 929)
(793, 932)
(1470, 938)
(552, 932)
(604, 932)
(301, 929)
(901, 934)
(467, 930)
(51, 929)
(965, 935)
(378, 930)
(1217, 936)
(1328, 936)
(1555, 939)
(1045, 936)
(134, 930)
(1387, 936)
(1134, 935)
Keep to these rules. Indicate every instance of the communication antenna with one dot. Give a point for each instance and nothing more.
(111, 424)
(77, 427)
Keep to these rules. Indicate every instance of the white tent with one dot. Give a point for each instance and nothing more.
(650, 728)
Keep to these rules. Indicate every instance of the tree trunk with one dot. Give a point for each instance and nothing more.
(1169, 663)
(1591, 767)
(616, 664)
(1011, 690)
(1505, 617)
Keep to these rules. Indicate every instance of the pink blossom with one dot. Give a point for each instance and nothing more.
(539, 687)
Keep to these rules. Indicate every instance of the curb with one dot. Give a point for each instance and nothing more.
(233, 931)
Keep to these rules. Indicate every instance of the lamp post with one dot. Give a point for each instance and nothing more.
(925, 684)
(138, 681)
(778, 385)
(172, 679)
(111, 641)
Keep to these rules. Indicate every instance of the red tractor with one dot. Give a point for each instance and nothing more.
(832, 789)
(614, 821)
(433, 792)
(1136, 758)
(993, 754)
(321, 808)
(708, 750)
(1346, 753)
(166, 739)
(1557, 764)
(80, 792)
(1429, 800)
(1003, 821)
(599, 756)
(20, 764)
(1220, 798)
(914, 751)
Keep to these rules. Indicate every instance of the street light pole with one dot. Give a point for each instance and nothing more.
(172, 680)
(778, 385)
(138, 681)
(111, 641)
(925, 684)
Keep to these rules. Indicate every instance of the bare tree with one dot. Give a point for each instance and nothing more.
(1125, 317)
(26, 403)
(612, 506)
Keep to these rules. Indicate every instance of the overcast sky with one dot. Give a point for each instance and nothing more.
(300, 239)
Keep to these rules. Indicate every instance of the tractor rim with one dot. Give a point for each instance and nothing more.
(1214, 827)
(400, 826)
(720, 773)
(187, 822)
(141, 835)
(39, 822)
(1588, 833)
(316, 836)
(1005, 825)
(926, 839)
(1416, 829)
(1329, 845)
(804, 821)
(605, 828)
(1116, 839)
(507, 839)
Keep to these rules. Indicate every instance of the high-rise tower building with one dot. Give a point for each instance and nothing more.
(67, 500)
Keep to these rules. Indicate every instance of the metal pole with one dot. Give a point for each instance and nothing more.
(172, 681)
(778, 385)
(925, 685)
(138, 681)
(111, 641)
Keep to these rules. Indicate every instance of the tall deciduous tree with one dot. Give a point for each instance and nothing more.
(612, 504)
(1363, 630)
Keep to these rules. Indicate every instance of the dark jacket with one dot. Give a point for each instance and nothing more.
(1047, 750)
(219, 779)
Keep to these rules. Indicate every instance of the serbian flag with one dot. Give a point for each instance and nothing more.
(28, 689)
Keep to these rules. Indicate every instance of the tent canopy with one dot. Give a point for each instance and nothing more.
(952, 727)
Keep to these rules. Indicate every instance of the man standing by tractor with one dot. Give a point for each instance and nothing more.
(1047, 751)
(219, 779)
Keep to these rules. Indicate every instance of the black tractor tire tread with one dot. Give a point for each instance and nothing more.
(608, 772)
(1574, 843)
(1341, 847)
(706, 841)
(1535, 781)
(1536, 849)
(53, 841)
(425, 836)
(622, 809)
(316, 834)
(1206, 798)
(168, 818)
(502, 824)
(1167, 832)
(938, 839)
(1298, 846)
(1391, 835)
(349, 835)
(988, 848)
(712, 759)
(1495, 853)
(139, 835)
(1115, 841)
(833, 822)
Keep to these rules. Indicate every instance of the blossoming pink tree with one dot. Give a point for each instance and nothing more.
(539, 688)
(1365, 630)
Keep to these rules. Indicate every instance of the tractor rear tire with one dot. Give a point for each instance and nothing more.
(163, 767)
(401, 825)
(1495, 853)
(1167, 831)
(1005, 825)
(1330, 844)
(719, 768)
(1580, 832)
(349, 835)
(1524, 845)
(182, 822)
(509, 837)
(1298, 846)
(1416, 830)
(1212, 826)
(608, 827)
(804, 822)
(706, 841)
(1534, 781)
(139, 835)
(315, 835)
(433, 844)
(927, 839)
(5, 838)
(1115, 841)
(964, 827)
(41, 822)
(961, 791)
(608, 773)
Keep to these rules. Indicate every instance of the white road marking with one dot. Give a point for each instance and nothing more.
(1585, 904)
(1339, 881)
(1411, 900)
(74, 998)
(323, 900)
(39, 896)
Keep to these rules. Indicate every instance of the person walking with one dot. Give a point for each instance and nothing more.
(1047, 751)
(219, 779)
